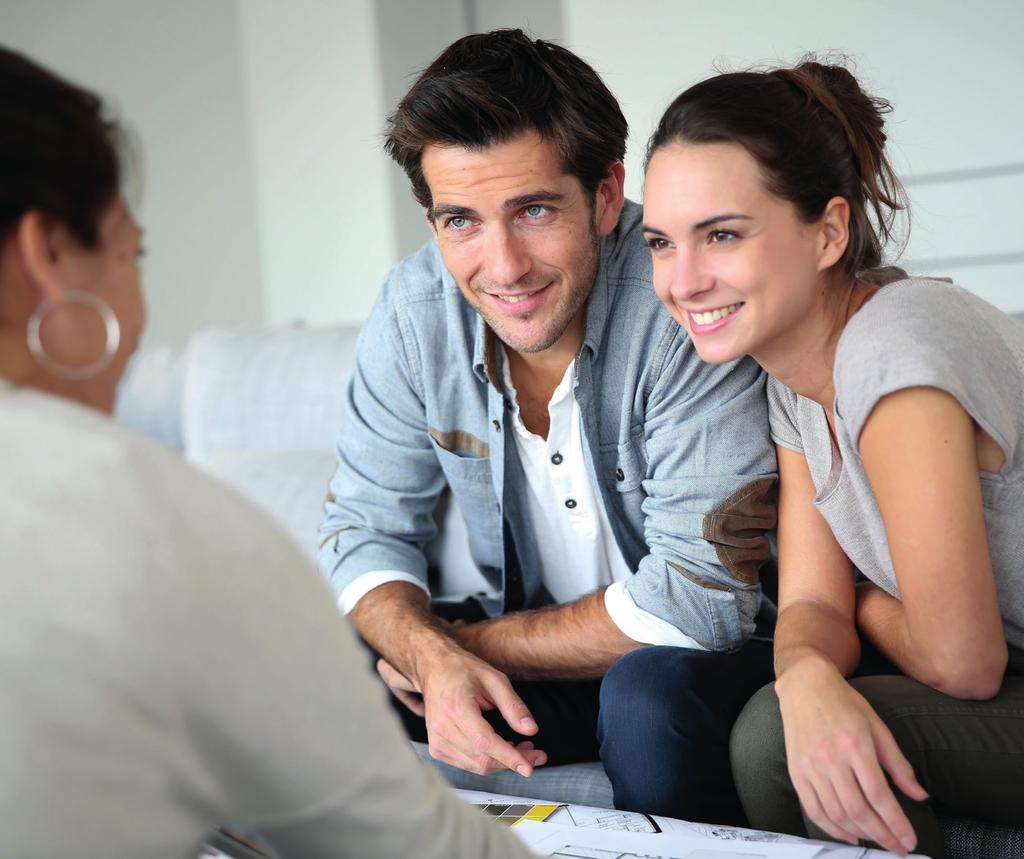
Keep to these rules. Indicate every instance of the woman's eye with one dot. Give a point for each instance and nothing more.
(657, 244)
(716, 237)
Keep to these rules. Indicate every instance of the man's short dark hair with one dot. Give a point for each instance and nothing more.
(489, 87)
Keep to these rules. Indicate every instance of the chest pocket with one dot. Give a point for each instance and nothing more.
(623, 466)
(622, 471)
(467, 469)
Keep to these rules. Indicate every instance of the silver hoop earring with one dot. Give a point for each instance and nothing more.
(65, 371)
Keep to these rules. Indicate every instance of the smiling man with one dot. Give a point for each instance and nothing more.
(617, 491)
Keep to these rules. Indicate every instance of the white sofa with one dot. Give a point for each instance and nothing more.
(259, 409)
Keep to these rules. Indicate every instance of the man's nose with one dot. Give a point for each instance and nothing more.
(507, 258)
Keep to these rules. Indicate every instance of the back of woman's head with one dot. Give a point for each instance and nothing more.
(58, 154)
(815, 135)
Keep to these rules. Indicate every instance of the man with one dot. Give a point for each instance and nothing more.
(604, 472)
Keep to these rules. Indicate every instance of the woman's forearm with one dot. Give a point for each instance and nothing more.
(814, 631)
(933, 657)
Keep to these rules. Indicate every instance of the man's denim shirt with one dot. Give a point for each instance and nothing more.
(679, 449)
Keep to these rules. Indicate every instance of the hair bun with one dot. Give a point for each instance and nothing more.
(862, 119)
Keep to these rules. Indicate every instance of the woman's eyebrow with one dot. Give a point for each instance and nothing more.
(714, 219)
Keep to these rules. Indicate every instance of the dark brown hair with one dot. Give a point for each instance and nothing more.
(487, 88)
(58, 154)
(815, 135)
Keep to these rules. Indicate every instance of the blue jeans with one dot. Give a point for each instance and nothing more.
(665, 718)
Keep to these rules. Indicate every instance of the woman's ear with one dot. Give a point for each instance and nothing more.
(40, 242)
(835, 232)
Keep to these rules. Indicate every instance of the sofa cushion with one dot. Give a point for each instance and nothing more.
(290, 485)
(149, 396)
(277, 390)
(579, 784)
(261, 410)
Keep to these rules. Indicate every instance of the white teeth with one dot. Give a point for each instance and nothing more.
(710, 316)
(515, 299)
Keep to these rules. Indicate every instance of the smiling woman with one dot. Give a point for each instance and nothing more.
(897, 410)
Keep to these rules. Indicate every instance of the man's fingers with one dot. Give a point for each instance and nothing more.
(535, 756)
(895, 763)
(510, 705)
(394, 678)
(449, 753)
(411, 700)
(400, 687)
(482, 740)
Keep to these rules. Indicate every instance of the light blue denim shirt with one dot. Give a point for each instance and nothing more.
(678, 449)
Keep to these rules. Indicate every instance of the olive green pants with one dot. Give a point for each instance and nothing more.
(968, 755)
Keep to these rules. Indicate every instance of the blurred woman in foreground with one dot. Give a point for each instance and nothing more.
(169, 660)
(897, 407)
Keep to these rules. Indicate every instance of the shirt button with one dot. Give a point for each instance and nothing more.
(620, 474)
(556, 459)
(570, 503)
(496, 425)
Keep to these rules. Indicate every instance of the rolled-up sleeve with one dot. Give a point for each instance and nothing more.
(379, 508)
(710, 497)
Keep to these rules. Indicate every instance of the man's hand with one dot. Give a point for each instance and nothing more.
(458, 688)
(401, 687)
(437, 678)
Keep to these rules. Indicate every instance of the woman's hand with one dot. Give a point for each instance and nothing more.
(839, 752)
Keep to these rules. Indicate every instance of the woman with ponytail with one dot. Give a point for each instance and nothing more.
(897, 408)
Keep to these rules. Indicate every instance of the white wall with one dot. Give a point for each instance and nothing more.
(954, 72)
(172, 72)
(267, 198)
(315, 105)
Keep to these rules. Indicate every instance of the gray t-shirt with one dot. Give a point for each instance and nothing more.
(912, 333)
(169, 660)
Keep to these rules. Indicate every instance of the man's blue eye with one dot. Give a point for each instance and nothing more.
(536, 211)
(458, 222)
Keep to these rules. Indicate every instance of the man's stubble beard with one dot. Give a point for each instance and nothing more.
(563, 314)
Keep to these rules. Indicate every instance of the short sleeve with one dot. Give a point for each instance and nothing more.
(782, 405)
(923, 333)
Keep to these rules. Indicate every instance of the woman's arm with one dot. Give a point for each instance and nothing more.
(838, 750)
(919, 450)
(816, 597)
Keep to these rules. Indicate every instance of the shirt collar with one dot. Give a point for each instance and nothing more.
(485, 354)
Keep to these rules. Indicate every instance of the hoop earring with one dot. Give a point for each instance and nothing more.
(65, 371)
